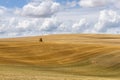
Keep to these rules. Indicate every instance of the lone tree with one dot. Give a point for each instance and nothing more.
(41, 40)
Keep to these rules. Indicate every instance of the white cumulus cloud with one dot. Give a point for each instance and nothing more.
(93, 3)
(16, 26)
(50, 24)
(80, 27)
(39, 8)
(2, 10)
(99, 3)
(108, 19)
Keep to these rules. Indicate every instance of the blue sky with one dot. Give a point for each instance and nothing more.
(21, 3)
(13, 3)
(39, 17)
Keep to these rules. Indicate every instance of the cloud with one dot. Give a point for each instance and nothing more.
(99, 3)
(71, 3)
(108, 19)
(80, 27)
(2, 10)
(70, 20)
(50, 25)
(93, 3)
(40, 8)
(16, 26)
(116, 3)
(20, 26)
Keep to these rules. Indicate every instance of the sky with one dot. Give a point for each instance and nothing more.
(41, 17)
(13, 3)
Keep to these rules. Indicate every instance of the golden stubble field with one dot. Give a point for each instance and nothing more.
(61, 57)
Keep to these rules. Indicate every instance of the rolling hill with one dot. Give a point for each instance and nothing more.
(61, 57)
